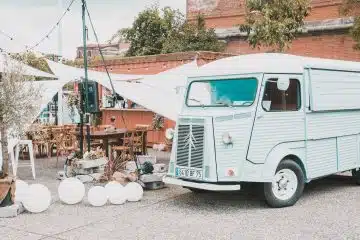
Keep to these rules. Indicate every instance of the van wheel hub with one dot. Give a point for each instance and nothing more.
(284, 184)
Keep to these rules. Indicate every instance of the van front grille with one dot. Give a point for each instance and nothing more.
(190, 146)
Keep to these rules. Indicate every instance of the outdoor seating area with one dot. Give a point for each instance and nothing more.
(117, 146)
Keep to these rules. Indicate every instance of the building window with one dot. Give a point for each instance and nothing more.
(89, 53)
(275, 100)
(79, 54)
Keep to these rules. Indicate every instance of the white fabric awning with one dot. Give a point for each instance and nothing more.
(68, 72)
(158, 93)
(29, 71)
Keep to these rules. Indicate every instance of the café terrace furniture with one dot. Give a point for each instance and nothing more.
(105, 136)
(15, 158)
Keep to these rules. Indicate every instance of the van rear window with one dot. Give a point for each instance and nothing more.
(222, 92)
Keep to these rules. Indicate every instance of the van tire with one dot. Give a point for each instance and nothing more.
(356, 175)
(287, 191)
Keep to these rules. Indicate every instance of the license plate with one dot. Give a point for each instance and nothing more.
(188, 173)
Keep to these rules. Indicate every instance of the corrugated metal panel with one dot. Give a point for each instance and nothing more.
(197, 151)
(190, 145)
(321, 157)
(348, 152)
(235, 155)
(182, 157)
(331, 124)
(272, 129)
(334, 90)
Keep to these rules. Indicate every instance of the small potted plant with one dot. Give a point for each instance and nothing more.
(157, 125)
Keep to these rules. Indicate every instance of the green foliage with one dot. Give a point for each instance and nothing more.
(274, 23)
(70, 63)
(157, 122)
(32, 60)
(157, 31)
(73, 102)
(193, 37)
(150, 30)
(147, 168)
(355, 32)
(352, 7)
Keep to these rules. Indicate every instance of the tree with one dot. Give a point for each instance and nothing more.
(274, 23)
(193, 37)
(351, 7)
(29, 58)
(150, 30)
(156, 31)
(19, 103)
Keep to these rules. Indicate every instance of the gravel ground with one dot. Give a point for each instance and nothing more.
(329, 209)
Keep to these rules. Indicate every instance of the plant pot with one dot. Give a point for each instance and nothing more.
(7, 200)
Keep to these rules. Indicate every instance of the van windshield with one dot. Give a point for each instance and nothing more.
(224, 92)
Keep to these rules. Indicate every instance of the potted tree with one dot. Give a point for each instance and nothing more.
(19, 105)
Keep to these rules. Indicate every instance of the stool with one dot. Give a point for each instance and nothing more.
(15, 160)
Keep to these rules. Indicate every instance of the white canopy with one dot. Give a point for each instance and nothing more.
(157, 93)
(68, 72)
(29, 71)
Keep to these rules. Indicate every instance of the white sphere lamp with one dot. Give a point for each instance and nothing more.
(117, 195)
(134, 192)
(38, 198)
(21, 188)
(97, 196)
(112, 186)
(71, 191)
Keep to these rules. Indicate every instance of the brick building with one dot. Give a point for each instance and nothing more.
(113, 49)
(325, 33)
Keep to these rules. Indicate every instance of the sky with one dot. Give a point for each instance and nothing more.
(27, 21)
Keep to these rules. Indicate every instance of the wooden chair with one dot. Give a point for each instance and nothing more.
(41, 137)
(139, 142)
(124, 152)
(66, 143)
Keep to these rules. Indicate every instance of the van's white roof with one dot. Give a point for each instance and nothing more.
(271, 63)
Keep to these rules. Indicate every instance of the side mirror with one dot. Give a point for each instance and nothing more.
(283, 83)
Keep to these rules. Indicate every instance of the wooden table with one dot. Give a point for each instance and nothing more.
(105, 136)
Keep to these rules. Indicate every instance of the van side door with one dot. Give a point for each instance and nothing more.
(279, 116)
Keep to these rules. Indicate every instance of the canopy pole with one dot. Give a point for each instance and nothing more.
(86, 75)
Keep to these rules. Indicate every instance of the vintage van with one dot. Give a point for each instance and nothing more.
(277, 119)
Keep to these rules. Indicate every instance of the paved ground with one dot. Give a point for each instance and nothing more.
(329, 209)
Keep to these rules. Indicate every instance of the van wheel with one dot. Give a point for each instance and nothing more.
(356, 175)
(287, 185)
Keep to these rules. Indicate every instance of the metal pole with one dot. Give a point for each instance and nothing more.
(86, 73)
(60, 110)
(81, 140)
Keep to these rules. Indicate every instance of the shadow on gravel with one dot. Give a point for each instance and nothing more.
(251, 195)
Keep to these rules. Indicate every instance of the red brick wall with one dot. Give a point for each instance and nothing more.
(229, 13)
(335, 46)
(134, 117)
(156, 63)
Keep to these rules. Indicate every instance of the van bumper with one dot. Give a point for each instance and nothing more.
(204, 186)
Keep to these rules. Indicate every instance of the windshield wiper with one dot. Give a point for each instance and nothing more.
(198, 101)
(224, 104)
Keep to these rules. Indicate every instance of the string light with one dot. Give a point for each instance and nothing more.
(6, 35)
(47, 36)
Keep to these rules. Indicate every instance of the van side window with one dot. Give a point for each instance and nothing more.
(277, 100)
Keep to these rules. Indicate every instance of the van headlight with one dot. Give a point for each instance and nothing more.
(227, 139)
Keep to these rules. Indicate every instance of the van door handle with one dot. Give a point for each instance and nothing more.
(259, 116)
